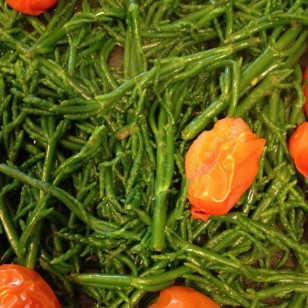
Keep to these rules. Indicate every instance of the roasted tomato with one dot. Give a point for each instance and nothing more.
(305, 84)
(31, 7)
(220, 165)
(22, 287)
(298, 147)
(183, 297)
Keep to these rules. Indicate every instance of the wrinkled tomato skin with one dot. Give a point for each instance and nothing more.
(31, 7)
(183, 297)
(298, 148)
(220, 166)
(21, 287)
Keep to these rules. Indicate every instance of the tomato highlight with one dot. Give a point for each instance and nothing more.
(220, 165)
(23, 287)
(298, 147)
(183, 297)
(31, 7)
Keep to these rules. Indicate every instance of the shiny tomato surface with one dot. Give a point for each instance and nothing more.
(220, 165)
(298, 147)
(31, 7)
(183, 297)
(21, 287)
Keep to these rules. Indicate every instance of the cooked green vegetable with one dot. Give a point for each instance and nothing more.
(99, 102)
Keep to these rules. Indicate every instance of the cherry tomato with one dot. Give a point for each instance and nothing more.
(31, 7)
(183, 297)
(220, 165)
(22, 287)
(305, 82)
(298, 147)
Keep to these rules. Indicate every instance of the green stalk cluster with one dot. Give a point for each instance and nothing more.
(99, 102)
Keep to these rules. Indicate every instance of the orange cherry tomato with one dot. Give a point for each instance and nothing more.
(305, 82)
(31, 7)
(220, 165)
(22, 287)
(298, 147)
(183, 297)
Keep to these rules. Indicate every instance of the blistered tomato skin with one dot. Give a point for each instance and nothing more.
(298, 147)
(21, 287)
(183, 297)
(31, 7)
(220, 166)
